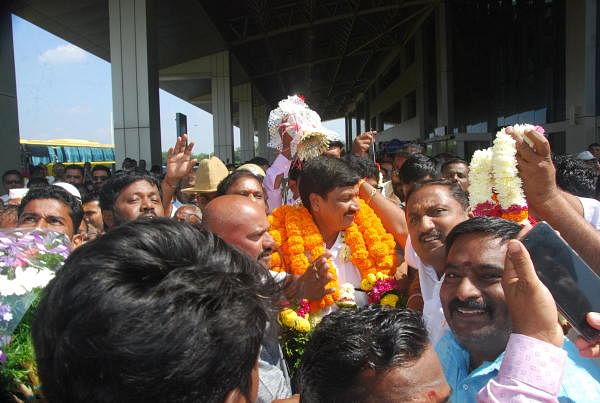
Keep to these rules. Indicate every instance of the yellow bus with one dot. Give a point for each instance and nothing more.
(66, 151)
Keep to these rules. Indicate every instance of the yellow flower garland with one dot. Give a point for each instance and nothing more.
(294, 231)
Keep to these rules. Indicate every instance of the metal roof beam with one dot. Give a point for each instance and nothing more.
(329, 20)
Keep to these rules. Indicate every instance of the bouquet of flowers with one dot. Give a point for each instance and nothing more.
(28, 261)
(383, 290)
(297, 326)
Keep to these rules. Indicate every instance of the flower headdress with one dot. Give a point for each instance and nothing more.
(495, 188)
(293, 117)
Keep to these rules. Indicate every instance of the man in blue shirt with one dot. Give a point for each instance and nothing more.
(475, 309)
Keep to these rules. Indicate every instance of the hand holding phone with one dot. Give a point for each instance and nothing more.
(573, 284)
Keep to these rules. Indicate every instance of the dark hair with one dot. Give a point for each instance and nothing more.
(11, 172)
(154, 310)
(259, 161)
(37, 182)
(323, 174)
(363, 166)
(575, 176)
(593, 145)
(497, 228)
(416, 168)
(90, 197)
(56, 193)
(454, 189)
(347, 342)
(101, 168)
(230, 179)
(115, 184)
(453, 161)
(336, 144)
(77, 167)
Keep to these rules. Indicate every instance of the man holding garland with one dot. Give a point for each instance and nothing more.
(334, 233)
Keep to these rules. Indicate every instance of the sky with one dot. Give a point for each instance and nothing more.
(65, 92)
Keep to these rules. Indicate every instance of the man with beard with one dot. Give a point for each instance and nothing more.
(476, 309)
(128, 196)
(432, 209)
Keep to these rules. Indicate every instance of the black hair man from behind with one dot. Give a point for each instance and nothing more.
(372, 354)
(153, 311)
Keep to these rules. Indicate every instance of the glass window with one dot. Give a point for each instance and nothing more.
(71, 154)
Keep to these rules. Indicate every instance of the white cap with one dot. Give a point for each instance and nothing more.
(69, 188)
(585, 156)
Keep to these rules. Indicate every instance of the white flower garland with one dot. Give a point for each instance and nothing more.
(507, 182)
(494, 171)
(480, 177)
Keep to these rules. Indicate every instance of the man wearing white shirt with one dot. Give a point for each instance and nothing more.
(432, 209)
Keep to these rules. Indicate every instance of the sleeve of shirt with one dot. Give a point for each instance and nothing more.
(281, 165)
(531, 371)
(591, 211)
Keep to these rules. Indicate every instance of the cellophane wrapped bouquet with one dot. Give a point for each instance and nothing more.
(29, 259)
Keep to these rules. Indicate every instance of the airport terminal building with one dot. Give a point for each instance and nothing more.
(444, 73)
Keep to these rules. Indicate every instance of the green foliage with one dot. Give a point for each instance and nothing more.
(20, 365)
(293, 343)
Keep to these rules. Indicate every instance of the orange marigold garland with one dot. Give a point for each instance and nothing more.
(372, 249)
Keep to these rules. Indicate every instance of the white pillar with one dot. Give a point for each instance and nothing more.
(136, 110)
(221, 106)
(580, 74)
(246, 123)
(9, 128)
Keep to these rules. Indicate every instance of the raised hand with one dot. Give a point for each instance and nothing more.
(363, 142)
(179, 161)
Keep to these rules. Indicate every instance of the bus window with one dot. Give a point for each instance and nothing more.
(97, 154)
(85, 154)
(109, 154)
(72, 154)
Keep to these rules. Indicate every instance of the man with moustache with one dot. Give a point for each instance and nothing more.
(242, 223)
(128, 196)
(433, 208)
(476, 309)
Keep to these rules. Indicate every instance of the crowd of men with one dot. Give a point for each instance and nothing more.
(167, 294)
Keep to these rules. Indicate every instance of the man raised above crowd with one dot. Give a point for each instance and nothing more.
(475, 306)
(322, 233)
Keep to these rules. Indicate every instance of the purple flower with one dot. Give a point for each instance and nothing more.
(2, 357)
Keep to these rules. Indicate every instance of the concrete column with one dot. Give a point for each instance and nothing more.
(9, 129)
(221, 106)
(246, 123)
(133, 56)
(420, 82)
(580, 74)
(445, 97)
(260, 118)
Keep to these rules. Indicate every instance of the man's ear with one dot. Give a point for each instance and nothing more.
(108, 218)
(315, 201)
(470, 212)
(76, 241)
